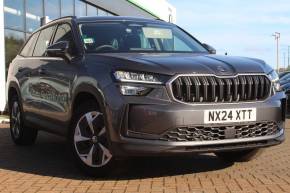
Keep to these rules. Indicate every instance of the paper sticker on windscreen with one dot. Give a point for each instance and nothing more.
(88, 40)
(157, 33)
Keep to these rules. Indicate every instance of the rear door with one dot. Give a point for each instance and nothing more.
(27, 76)
(34, 92)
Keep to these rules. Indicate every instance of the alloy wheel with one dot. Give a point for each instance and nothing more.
(15, 119)
(90, 140)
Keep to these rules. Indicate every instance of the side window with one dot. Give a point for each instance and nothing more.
(180, 45)
(29, 46)
(64, 33)
(43, 41)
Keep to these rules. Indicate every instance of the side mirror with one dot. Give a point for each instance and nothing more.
(209, 48)
(59, 49)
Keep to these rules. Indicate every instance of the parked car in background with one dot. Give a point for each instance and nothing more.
(284, 78)
(286, 88)
(285, 84)
(123, 86)
(282, 74)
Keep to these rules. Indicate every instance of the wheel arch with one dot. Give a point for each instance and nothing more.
(12, 90)
(85, 92)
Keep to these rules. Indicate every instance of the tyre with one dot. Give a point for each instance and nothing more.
(89, 141)
(20, 133)
(239, 156)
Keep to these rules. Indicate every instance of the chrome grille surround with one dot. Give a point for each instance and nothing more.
(214, 89)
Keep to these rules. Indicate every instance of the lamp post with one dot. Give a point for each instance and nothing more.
(277, 36)
(288, 57)
(284, 64)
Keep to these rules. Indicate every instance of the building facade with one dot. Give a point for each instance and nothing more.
(20, 18)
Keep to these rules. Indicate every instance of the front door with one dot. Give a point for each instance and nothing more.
(55, 84)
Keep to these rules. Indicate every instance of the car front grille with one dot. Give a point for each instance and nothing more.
(208, 133)
(198, 89)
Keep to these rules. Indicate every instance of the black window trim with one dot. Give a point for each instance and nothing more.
(35, 43)
(39, 32)
(55, 25)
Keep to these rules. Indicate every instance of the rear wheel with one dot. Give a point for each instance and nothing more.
(89, 140)
(240, 156)
(20, 133)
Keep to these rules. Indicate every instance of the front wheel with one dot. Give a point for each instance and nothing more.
(239, 156)
(89, 140)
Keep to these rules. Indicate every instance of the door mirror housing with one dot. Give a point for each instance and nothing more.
(210, 49)
(59, 49)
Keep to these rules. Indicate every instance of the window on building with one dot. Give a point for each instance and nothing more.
(43, 41)
(102, 12)
(29, 46)
(80, 8)
(13, 42)
(14, 14)
(67, 7)
(109, 14)
(34, 11)
(27, 35)
(52, 9)
(91, 10)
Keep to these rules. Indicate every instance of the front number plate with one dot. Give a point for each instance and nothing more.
(229, 115)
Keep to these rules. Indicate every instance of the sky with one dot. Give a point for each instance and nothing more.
(238, 27)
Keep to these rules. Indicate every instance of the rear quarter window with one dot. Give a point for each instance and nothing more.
(29, 46)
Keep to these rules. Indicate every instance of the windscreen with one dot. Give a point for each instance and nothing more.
(100, 37)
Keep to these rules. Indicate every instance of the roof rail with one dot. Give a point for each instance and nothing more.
(65, 17)
(158, 19)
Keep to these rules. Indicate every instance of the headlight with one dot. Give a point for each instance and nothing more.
(275, 81)
(136, 77)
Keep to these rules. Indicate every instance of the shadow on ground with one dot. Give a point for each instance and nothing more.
(49, 157)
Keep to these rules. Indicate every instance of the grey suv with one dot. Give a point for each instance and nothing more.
(122, 86)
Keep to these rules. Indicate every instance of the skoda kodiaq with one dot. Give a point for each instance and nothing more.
(124, 86)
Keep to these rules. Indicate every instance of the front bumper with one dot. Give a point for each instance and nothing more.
(136, 124)
(141, 147)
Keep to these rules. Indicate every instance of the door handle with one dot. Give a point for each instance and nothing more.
(41, 71)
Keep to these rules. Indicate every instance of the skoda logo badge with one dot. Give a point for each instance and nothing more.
(221, 69)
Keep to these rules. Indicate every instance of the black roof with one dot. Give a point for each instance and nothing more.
(102, 18)
(108, 18)
(116, 18)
